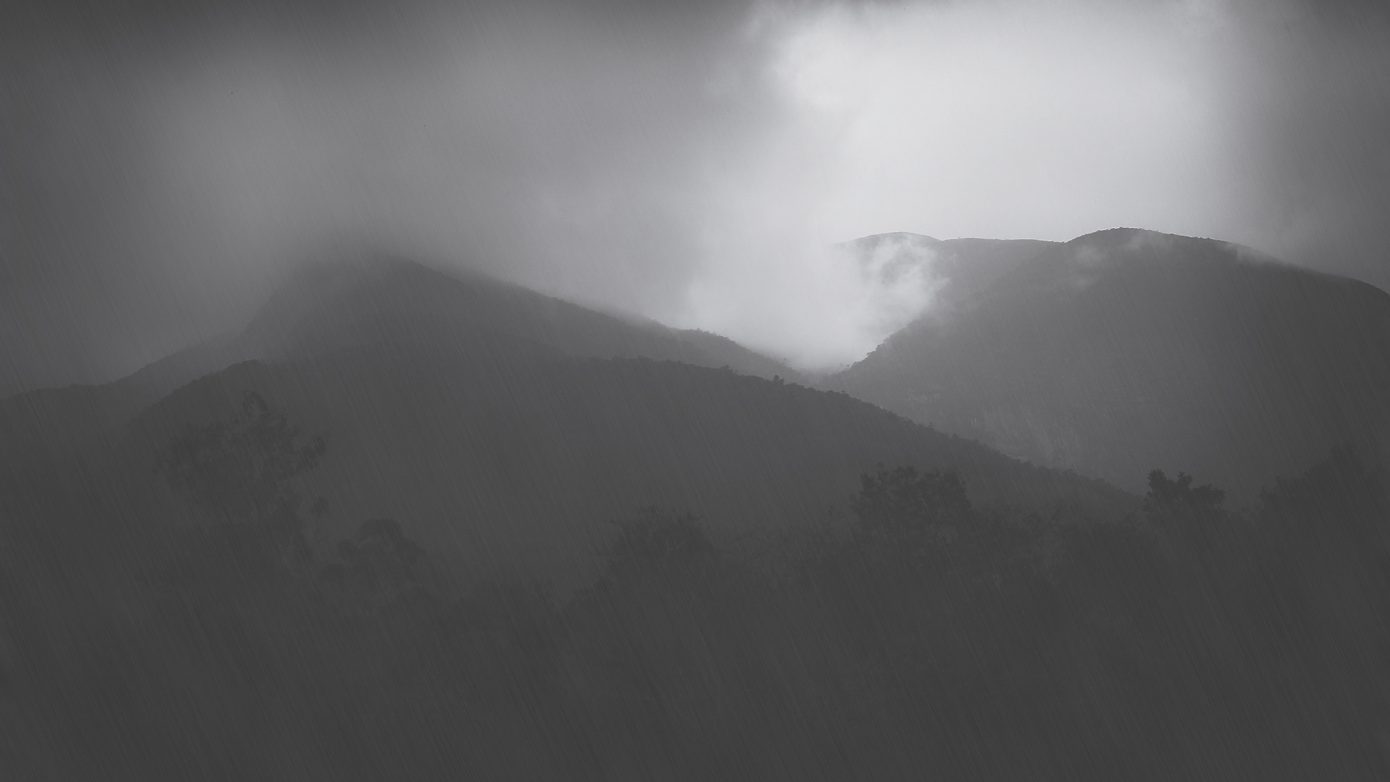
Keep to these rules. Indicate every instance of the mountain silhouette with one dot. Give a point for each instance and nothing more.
(1124, 350)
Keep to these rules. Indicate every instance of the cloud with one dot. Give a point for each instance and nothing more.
(1001, 119)
(162, 162)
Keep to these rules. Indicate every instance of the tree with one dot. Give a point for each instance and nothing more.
(1193, 514)
(1178, 495)
(1340, 493)
(1322, 602)
(377, 566)
(242, 470)
(903, 504)
(656, 545)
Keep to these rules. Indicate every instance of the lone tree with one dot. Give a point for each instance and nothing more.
(1180, 495)
(242, 471)
(376, 567)
(902, 503)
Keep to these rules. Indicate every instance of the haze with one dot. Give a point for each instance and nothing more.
(162, 165)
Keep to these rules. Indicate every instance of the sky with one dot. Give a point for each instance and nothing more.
(162, 163)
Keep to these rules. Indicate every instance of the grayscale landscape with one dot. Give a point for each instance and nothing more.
(766, 390)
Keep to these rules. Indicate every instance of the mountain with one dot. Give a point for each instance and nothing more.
(483, 418)
(372, 300)
(956, 270)
(906, 275)
(1127, 350)
(355, 302)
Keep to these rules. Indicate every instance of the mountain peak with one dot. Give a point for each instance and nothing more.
(1126, 234)
(374, 298)
(1144, 241)
(873, 240)
(1125, 349)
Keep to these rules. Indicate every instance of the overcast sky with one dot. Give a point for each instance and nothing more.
(161, 161)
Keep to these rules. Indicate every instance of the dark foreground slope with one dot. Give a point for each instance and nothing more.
(1123, 350)
(518, 463)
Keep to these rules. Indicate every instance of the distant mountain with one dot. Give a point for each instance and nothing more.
(1125, 350)
(479, 416)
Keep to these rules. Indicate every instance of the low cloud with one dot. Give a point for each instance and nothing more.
(162, 165)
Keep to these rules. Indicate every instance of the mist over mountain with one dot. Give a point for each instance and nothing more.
(1127, 349)
(378, 300)
(948, 273)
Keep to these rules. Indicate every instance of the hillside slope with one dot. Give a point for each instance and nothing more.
(1126, 350)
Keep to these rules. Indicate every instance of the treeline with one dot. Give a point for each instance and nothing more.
(918, 638)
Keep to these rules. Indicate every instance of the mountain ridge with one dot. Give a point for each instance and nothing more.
(1094, 350)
